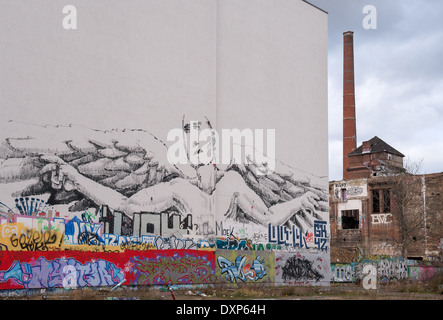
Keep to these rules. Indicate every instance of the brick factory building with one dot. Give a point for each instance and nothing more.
(364, 217)
(379, 209)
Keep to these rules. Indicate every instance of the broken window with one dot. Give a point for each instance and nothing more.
(375, 200)
(381, 201)
(386, 200)
(349, 219)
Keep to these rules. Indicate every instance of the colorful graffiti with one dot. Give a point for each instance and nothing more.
(235, 266)
(59, 269)
(295, 238)
(62, 273)
(17, 237)
(113, 196)
(288, 237)
(43, 250)
(302, 268)
(172, 267)
(423, 272)
(242, 269)
(233, 243)
(31, 205)
(342, 273)
(80, 232)
(55, 269)
(387, 269)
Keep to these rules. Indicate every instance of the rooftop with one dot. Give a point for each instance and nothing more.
(373, 146)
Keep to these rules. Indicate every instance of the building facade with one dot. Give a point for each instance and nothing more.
(94, 94)
(379, 209)
(367, 219)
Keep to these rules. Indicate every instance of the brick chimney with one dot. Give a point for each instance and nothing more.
(349, 123)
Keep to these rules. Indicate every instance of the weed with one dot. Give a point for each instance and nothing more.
(299, 291)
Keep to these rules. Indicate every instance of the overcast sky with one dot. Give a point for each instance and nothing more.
(398, 77)
(398, 71)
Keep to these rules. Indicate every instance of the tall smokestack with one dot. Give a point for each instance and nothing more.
(349, 123)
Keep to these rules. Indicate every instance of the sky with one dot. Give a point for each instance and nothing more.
(398, 77)
(398, 70)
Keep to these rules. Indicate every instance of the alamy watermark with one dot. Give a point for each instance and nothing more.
(370, 277)
(70, 19)
(198, 146)
(370, 20)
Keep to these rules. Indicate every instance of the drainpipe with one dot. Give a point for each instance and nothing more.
(423, 191)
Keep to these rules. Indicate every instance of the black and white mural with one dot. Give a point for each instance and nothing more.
(76, 170)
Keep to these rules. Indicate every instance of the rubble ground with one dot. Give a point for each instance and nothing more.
(349, 291)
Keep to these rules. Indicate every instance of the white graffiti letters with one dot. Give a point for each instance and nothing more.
(381, 218)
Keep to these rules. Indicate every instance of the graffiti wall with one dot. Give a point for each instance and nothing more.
(234, 266)
(342, 272)
(44, 270)
(77, 269)
(104, 202)
(302, 269)
(388, 269)
(91, 193)
(351, 189)
(42, 251)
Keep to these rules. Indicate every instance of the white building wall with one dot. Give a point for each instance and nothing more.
(133, 70)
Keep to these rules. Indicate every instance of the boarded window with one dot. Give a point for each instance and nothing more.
(349, 219)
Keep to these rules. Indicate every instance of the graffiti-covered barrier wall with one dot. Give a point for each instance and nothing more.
(77, 254)
(386, 269)
(80, 269)
(283, 268)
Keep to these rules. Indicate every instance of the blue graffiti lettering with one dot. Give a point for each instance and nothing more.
(51, 274)
(242, 269)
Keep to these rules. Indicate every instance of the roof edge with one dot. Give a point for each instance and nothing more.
(358, 150)
(315, 6)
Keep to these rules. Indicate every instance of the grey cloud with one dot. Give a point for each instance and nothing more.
(399, 83)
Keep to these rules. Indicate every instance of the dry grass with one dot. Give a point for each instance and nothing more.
(433, 285)
(430, 289)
